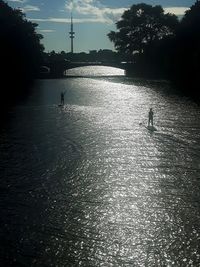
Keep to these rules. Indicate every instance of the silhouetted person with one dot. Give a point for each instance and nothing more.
(62, 98)
(150, 117)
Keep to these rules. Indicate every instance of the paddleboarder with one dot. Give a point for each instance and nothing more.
(150, 121)
(62, 98)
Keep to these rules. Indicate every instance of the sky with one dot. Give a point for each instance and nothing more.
(92, 19)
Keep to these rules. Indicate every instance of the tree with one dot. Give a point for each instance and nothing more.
(20, 50)
(140, 26)
(191, 21)
(19, 40)
(186, 56)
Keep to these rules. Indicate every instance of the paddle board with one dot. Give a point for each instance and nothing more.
(151, 128)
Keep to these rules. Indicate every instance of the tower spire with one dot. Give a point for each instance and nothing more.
(71, 35)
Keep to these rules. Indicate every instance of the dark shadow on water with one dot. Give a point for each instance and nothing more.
(10, 99)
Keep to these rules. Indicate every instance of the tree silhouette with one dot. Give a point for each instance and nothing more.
(20, 51)
(186, 55)
(140, 26)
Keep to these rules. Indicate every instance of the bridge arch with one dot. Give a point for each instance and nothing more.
(58, 68)
(95, 70)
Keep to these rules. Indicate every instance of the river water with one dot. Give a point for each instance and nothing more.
(87, 184)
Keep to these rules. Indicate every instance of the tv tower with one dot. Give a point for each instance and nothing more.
(71, 35)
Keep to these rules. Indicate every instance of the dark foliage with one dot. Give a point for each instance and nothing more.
(161, 46)
(20, 53)
(140, 27)
(186, 52)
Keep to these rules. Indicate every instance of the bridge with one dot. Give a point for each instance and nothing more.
(56, 69)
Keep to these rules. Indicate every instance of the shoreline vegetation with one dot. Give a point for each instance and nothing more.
(21, 51)
(158, 46)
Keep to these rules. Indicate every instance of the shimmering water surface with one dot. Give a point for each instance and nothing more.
(88, 185)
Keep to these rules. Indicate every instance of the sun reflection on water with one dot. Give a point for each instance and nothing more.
(95, 71)
(88, 185)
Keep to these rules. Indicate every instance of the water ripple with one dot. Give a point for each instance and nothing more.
(87, 184)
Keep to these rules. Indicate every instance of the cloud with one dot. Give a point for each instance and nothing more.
(47, 31)
(29, 8)
(18, 1)
(94, 10)
(91, 11)
(178, 11)
(67, 20)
